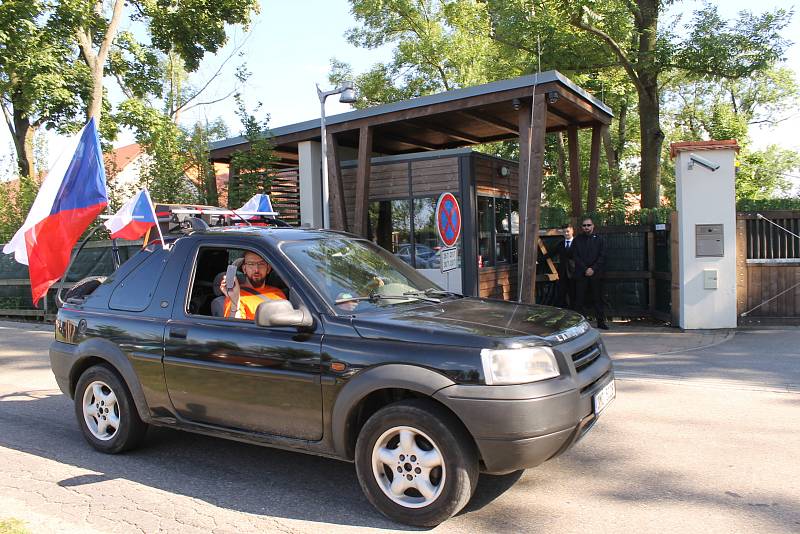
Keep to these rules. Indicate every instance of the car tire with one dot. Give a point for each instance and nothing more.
(421, 448)
(106, 412)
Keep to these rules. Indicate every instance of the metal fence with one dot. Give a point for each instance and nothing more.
(638, 279)
(15, 287)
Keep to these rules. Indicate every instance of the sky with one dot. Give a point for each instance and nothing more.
(289, 47)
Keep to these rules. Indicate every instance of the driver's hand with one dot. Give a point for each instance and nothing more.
(234, 292)
(374, 284)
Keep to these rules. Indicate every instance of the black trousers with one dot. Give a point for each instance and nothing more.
(585, 285)
(565, 292)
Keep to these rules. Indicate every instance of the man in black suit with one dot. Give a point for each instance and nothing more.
(565, 290)
(588, 251)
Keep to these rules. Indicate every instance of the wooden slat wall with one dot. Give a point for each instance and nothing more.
(432, 177)
(498, 282)
(285, 195)
(765, 281)
(490, 182)
(768, 265)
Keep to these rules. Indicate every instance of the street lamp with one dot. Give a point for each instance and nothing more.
(348, 96)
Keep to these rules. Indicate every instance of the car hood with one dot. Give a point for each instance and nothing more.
(469, 322)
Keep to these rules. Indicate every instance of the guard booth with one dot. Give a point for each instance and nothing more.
(389, 164)
(404, 191)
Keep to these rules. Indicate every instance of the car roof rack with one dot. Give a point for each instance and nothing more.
(184, 218)
(176, 220)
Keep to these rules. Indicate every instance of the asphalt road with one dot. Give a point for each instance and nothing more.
(701, 440)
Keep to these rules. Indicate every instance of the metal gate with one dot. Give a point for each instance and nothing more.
(768, 267)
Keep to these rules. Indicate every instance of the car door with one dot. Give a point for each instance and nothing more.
(234, 374)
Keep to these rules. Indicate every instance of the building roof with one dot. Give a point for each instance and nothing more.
(121, 157)
(467, 116)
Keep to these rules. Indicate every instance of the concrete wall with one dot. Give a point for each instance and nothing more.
(706, 197)
(310, 153)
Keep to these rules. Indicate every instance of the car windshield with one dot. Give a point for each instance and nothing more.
(355, 275)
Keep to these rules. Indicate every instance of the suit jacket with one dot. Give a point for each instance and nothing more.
(589, 251)
(566, 263)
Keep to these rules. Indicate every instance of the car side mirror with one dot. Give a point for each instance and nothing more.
(282, 313)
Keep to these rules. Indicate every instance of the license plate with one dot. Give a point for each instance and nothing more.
(603, 397)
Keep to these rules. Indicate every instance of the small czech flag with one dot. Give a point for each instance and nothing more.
(133, 219)
(258, 204)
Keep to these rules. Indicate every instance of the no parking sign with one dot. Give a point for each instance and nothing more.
(448, 219)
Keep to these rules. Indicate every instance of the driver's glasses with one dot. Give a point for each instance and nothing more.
(256, 264)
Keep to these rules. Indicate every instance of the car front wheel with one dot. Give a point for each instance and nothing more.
(106, 412)
(416, 463)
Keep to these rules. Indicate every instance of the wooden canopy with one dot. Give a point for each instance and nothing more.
(522, 108)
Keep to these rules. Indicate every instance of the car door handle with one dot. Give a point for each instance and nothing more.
(178, 333)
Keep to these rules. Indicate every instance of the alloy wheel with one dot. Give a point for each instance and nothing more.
(101, 410)
(408, 466)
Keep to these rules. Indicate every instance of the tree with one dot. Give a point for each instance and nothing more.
(443, 44)
(41, 81)
(709, 108)
(709, 45)
(198, 139)
(189, 28)
(251, 171)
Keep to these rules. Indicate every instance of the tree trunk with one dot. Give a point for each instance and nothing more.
(561, 163)
(652, 139)
(212, 194)
(96, 60)
(649, 110)
(23, 142)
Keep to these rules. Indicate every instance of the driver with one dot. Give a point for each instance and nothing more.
(242, 300)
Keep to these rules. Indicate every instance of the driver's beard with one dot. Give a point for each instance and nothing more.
(257, 285)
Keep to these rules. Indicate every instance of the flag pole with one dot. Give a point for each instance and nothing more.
(155, 216)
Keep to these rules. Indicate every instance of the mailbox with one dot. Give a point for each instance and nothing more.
(709, 240)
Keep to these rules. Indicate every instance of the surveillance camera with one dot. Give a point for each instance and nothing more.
(708, 164)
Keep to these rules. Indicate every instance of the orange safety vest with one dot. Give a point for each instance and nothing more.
(250, 298)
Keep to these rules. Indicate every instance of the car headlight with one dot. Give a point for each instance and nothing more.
(518, 366)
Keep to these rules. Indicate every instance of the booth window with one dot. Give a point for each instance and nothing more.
(417, 244)
(390, 226)
(498, 231)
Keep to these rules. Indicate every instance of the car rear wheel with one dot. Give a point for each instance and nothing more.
(106, 412)
(416, 463)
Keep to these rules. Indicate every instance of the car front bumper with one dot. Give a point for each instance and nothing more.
(521, 426)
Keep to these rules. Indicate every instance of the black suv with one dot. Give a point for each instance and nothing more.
(366, 361)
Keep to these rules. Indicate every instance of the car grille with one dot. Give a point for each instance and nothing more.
(585, 357)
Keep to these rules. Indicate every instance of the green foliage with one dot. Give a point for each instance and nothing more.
(763, 173)
(16, 198)
(752, 205)
(198, 138)
(617, 49)
(163, 172)
(726, 109)
(251, 171)
(42, 83)
(192, 28)
(48, 48)
(12, 526)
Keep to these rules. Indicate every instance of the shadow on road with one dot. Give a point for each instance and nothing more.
(228, 474)
(757, 358)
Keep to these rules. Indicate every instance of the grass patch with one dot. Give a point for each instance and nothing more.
(12, 526)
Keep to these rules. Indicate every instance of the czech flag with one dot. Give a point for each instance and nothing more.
(133, 219)
(70, 198)
(259, 203)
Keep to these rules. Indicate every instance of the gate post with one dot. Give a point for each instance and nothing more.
(705, 179)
